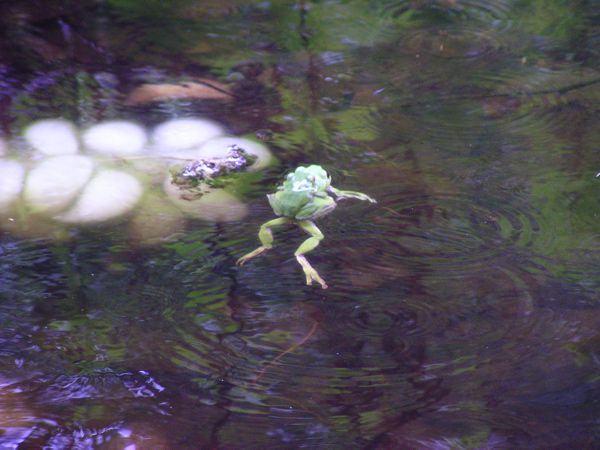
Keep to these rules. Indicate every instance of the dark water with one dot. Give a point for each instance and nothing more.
(463, 308)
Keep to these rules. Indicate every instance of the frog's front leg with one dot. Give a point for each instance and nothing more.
(307, 246)
(266, 238)
(350, 194)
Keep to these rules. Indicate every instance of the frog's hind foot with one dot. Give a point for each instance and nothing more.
(310, 273)
(244, 259)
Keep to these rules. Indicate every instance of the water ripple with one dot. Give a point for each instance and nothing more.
(463, 10)
(460, 43)
(255, 373)
(451, 235)
(489, 123)
(102, 383)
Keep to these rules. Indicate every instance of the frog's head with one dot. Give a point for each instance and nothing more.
(307, 179)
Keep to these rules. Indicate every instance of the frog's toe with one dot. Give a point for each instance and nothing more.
(313, 275)
(318, 279)
(321, 282)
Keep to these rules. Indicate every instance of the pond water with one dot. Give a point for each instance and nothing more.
(463, 308)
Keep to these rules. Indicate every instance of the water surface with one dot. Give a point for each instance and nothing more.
(462, 310)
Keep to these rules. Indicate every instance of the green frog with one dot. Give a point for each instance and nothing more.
(305, 195)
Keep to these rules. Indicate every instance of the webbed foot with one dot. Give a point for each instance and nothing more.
(241, 261)
(310, 273)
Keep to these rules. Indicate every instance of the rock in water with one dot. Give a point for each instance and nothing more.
(214, 205)
(219, 148)
(109, 194)
(52, 137)
(207, 170)
(182, 134)
(118, 138)
(55, 182)
(11, 182)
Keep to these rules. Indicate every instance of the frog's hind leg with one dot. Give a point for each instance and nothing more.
(307, 246)
(266, 238)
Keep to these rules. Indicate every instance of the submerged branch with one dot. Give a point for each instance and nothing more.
(275, 360)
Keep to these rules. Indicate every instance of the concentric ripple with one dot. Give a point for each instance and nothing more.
(467, 9)
(486, 124)
(280, 347)
(442, 235)
(450, 43)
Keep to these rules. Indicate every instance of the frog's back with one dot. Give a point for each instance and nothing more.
(287, 203)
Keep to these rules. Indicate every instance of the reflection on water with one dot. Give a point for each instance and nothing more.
(462, 308)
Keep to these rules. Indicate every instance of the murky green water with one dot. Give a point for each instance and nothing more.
(463, 308)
